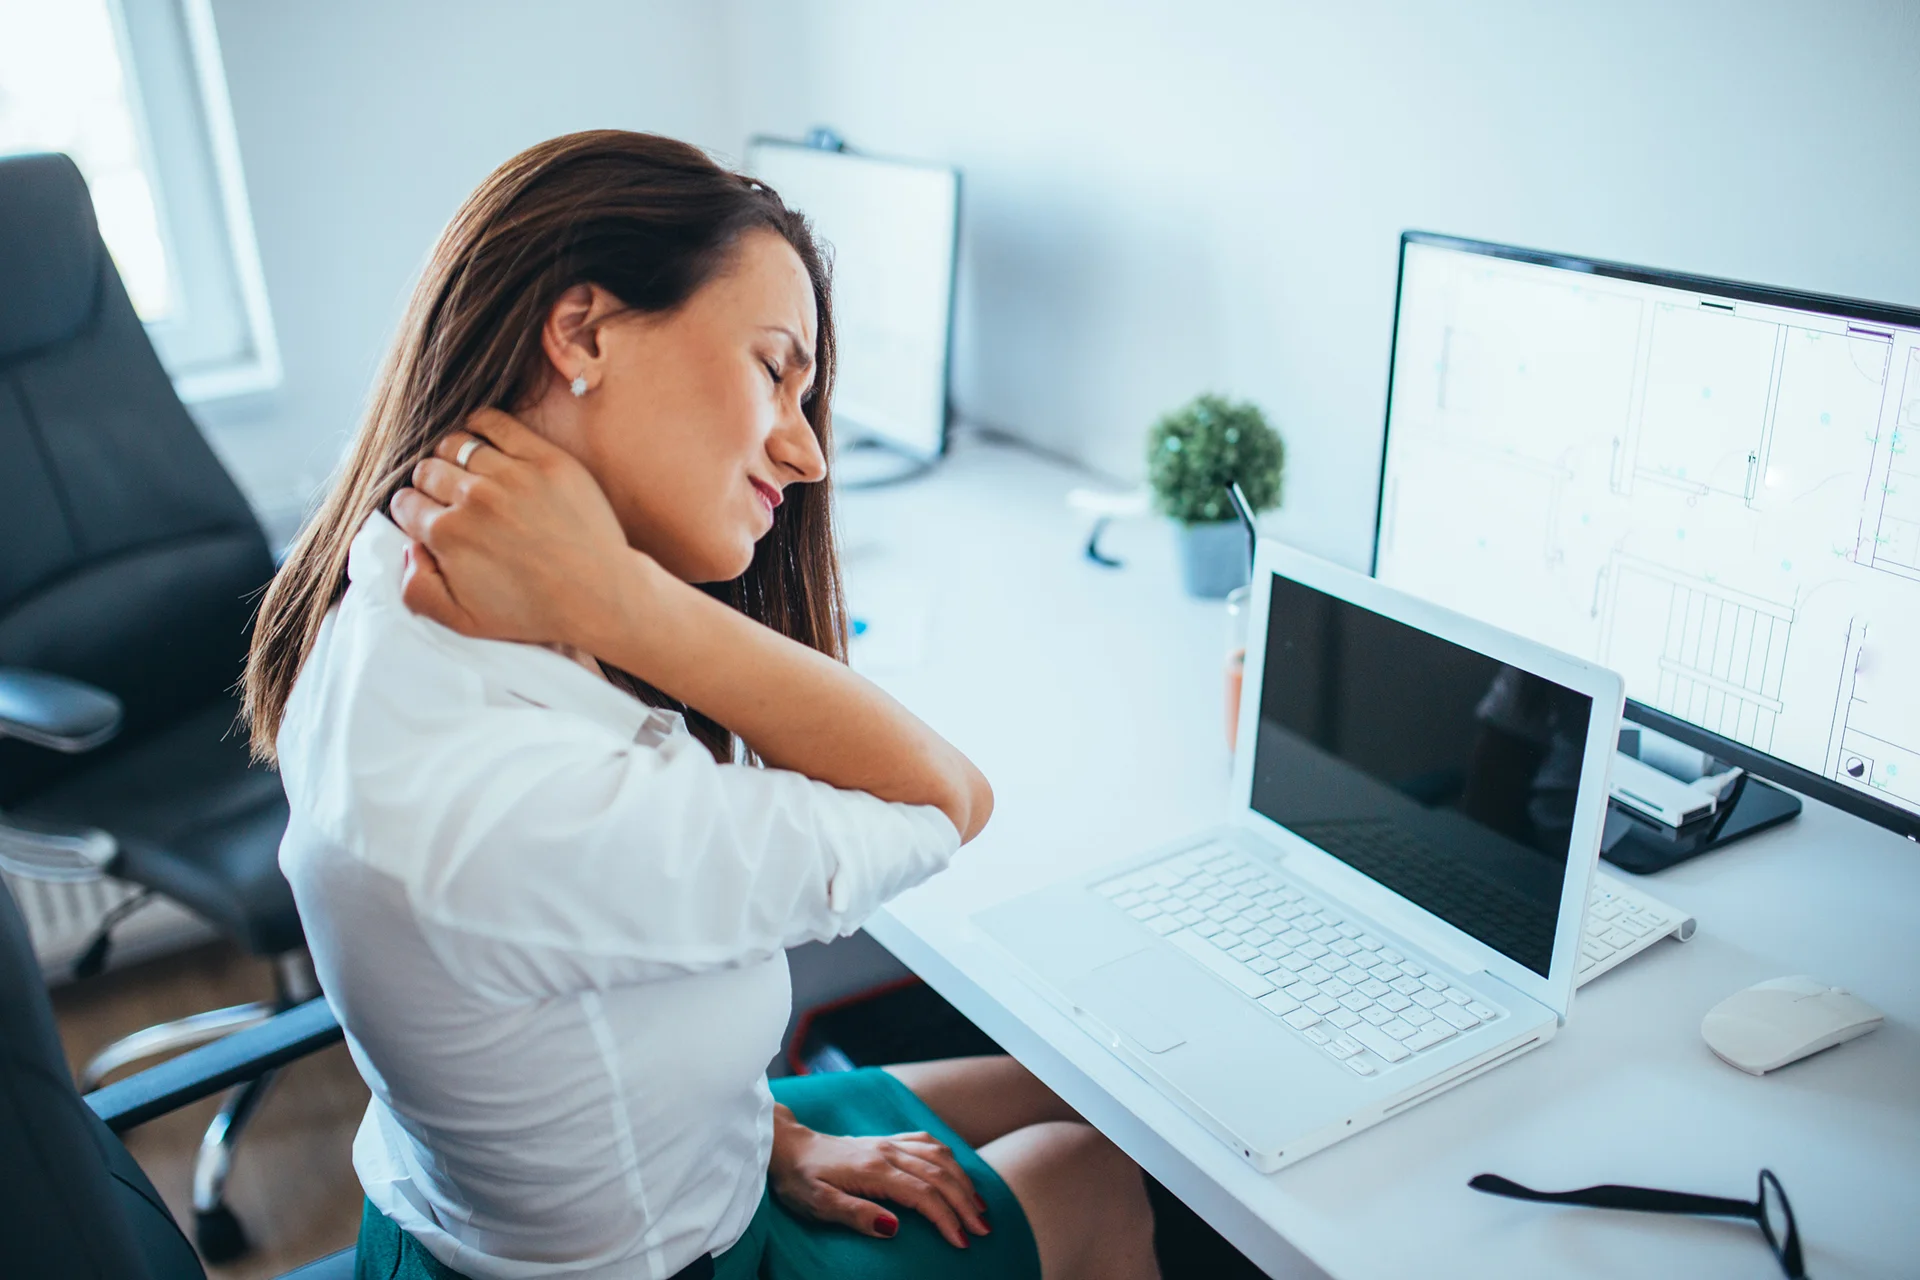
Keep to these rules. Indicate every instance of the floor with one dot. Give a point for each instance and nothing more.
(292, 1187)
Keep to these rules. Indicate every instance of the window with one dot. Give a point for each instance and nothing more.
(133, 90)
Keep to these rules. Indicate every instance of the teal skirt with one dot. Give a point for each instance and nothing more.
(780, 1246)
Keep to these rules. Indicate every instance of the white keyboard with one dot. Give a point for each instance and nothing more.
(1621, 923)
(1358, 999)
(1343, 990)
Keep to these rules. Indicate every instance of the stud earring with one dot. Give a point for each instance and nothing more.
(579, 385)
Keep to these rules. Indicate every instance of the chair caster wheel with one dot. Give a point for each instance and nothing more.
(218, 1235)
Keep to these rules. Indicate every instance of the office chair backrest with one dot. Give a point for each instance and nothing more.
(128, 558)
(73, 1203)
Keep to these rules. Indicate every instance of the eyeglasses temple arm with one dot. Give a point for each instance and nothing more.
(1612, 1196)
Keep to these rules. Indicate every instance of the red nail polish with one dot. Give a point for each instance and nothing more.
(886, 1224)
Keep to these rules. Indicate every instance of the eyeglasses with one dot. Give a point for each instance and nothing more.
(1769, 1208)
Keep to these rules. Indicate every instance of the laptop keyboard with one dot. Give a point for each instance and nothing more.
(1338, 987)
(1621, 923)
(1478, 904)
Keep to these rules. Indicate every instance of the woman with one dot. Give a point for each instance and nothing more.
(572, 757)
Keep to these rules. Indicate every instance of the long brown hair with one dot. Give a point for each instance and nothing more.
(649, 220)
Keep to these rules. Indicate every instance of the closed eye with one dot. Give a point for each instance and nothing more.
(802, 361)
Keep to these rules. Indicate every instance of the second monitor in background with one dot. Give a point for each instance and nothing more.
(891, 228)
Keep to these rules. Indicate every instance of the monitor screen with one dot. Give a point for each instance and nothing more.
(891, 229)
(1711, 488)
(1444, 775)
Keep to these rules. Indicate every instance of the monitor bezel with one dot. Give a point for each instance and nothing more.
(1808, 783)
(893, 443)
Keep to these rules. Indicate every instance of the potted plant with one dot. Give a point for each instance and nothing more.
(1193, 454)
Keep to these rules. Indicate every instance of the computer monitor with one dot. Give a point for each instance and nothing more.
(1712, 488)
(893, 227)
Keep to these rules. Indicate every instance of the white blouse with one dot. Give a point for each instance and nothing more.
(554, 930)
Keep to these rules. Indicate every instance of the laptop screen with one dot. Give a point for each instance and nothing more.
(1432, 769)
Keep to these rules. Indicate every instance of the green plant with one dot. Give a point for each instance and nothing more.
(1194, 452)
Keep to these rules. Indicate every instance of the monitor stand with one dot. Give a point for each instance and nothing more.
(1643, 846)
(869, 464)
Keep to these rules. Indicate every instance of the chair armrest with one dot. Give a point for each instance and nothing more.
(54, 711)
(59, 851)
(335, 1266)
(244, 1055)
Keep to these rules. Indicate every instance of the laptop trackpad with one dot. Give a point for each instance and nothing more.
(1137, 997)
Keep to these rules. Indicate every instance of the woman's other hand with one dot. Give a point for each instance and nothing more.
(518, 544)
(835, 1179)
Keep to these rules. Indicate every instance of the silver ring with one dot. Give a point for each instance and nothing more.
(466, 451)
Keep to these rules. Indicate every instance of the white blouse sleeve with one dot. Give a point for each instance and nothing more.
(545, 855)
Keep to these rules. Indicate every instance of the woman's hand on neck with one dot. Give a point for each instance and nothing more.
(521, 545)
(517, 544)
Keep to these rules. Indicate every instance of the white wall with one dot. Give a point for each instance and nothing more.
(364, 123)
(1166, 198)
(1160, 198)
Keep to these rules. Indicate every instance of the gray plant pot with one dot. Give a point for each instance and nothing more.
(1213, 558)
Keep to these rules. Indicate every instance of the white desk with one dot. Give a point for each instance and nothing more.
(1092, 700)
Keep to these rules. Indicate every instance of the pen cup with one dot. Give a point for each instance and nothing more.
(1236, 660)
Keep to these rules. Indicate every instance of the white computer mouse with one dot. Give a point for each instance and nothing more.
(1773, 1023)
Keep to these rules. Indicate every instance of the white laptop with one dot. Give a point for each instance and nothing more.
(1396, 902)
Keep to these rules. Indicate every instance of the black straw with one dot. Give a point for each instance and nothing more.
(1242, 509)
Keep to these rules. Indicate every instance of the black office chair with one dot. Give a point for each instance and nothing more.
(75, 1205)
(128, 564)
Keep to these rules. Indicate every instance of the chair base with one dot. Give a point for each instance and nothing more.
(171, 1037)
(293, 983)
(218, 1236)
(217, 1232)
